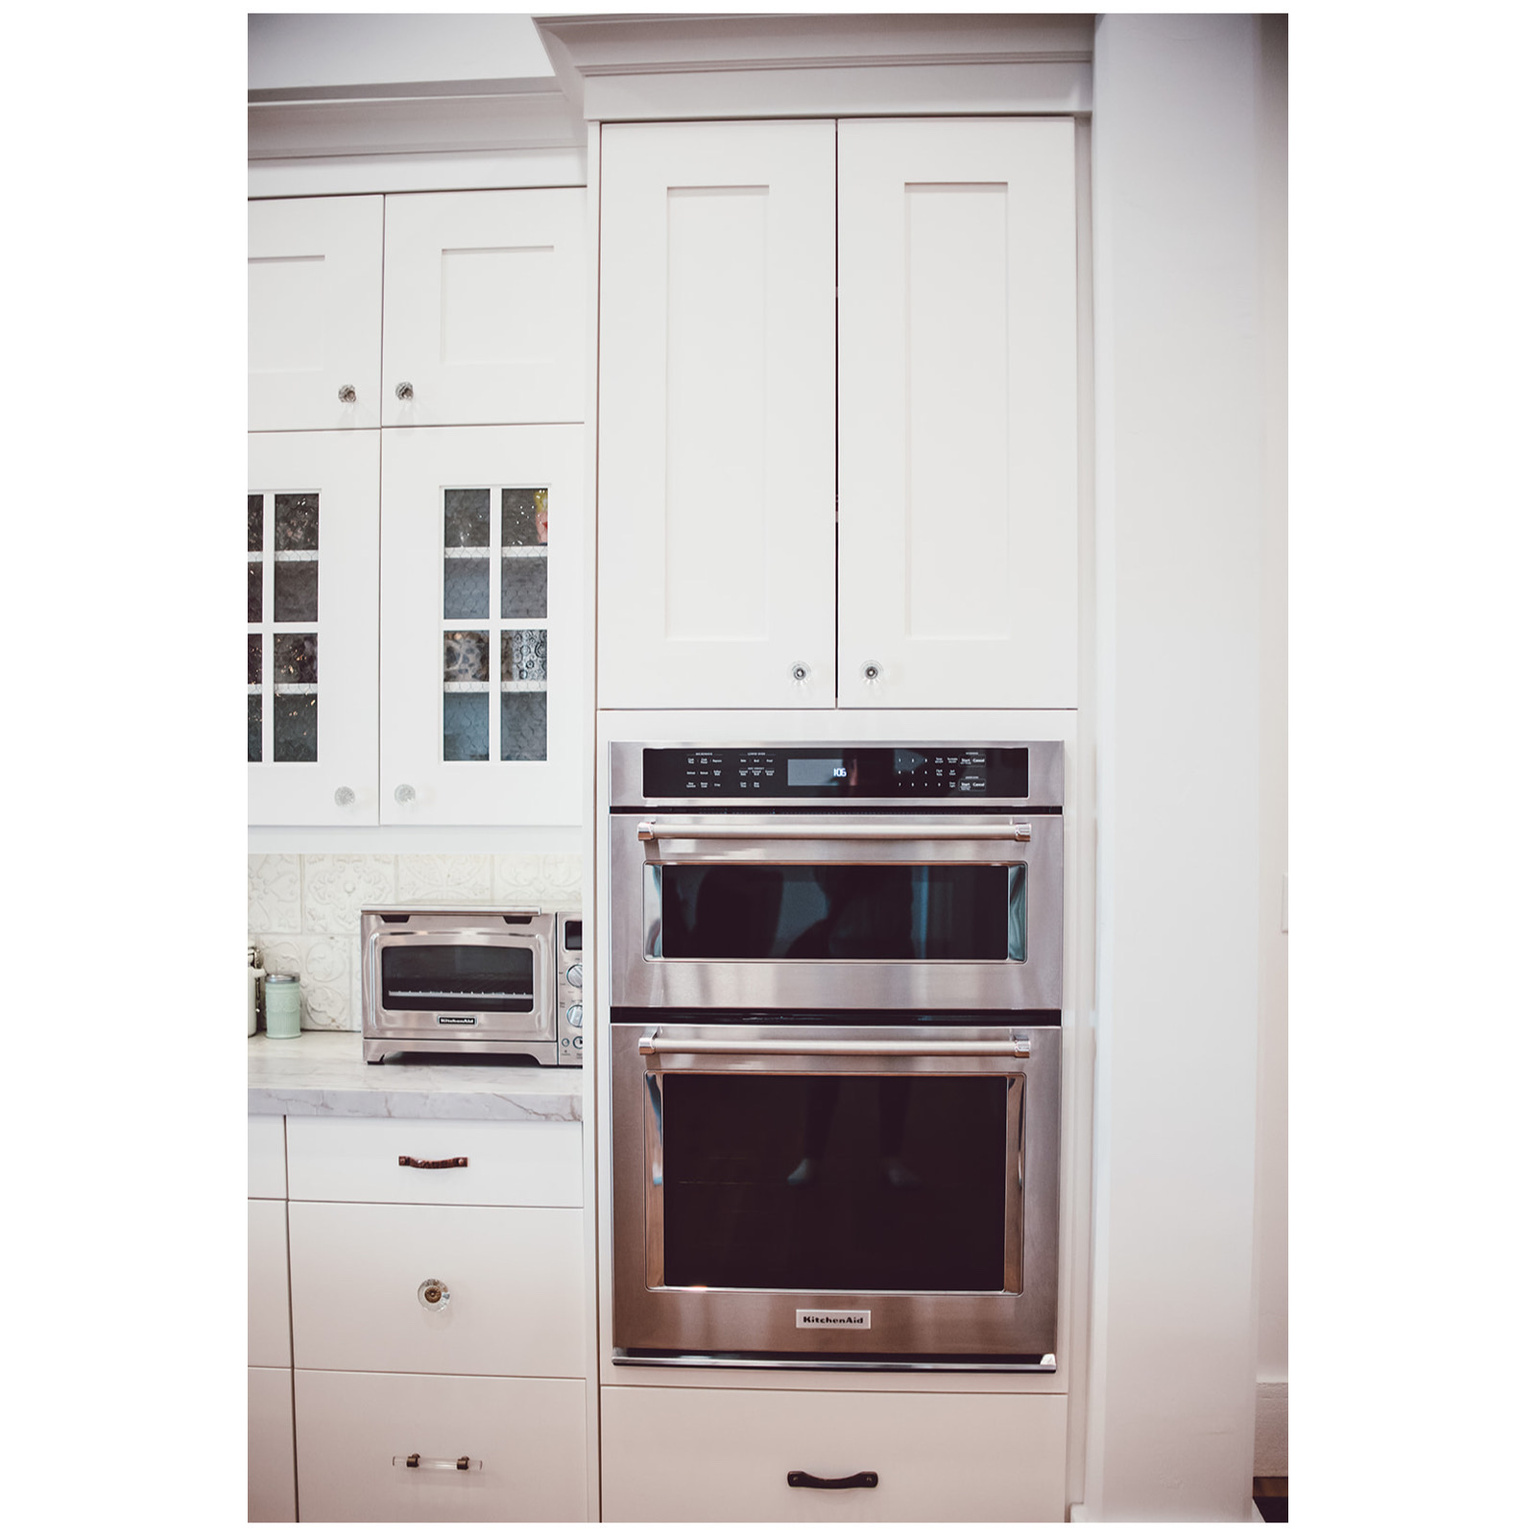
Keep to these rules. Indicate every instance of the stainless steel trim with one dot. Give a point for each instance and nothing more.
(812, 1045)
(1046, 1365)
(883, 832)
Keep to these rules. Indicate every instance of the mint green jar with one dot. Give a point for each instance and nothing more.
(282, 1007)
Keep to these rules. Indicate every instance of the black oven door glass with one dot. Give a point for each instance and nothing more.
(464, 978)
(834, 1182)
(841, 911)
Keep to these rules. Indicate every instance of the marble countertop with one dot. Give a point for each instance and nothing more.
(323, 1073)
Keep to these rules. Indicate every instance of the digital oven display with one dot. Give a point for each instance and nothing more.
(836, 773)
(815, 770)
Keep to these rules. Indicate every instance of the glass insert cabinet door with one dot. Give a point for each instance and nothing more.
(312, 628)
(481, 641)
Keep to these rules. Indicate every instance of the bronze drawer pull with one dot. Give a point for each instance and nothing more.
(857, 1480)
(442, 1162)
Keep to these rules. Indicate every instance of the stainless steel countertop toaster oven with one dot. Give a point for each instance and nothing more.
(468, 979)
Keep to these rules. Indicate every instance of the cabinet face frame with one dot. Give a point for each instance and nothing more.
(957, 413)
(343, 467)
(483, 304)
(418, 467)
(717, 452)
(315, 297)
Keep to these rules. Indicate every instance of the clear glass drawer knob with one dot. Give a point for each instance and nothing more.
(403, 391)
(345, 796)
(347, 395)
(799, 672)
(573, 1015)
(404, 794)
(432, 1294)
(871, 671)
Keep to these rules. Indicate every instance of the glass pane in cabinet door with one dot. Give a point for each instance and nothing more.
(524, 656)
(832, 1182)
(253, 513)
(466, 727)
(253, 592)
(467, 656)
(467, 519)
(524, 727)
(524, 586)
(296, 591)
(253, 728)
(467, 587)
(295, 737)
(295, 659)
(253, 658)
(296, 521)
(524, 518)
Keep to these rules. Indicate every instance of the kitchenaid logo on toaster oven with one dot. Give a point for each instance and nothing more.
(454, 1019)
(831, 1319)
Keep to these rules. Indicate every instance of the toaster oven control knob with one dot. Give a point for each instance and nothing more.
(432, 1294)
(573, 1015)
(573, 975)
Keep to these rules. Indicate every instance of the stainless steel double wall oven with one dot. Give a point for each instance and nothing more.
(836, 1053)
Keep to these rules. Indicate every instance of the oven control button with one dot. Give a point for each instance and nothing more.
(573, 1015)
(573, 975)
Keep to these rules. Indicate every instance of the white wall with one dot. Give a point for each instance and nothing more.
(301, 52)
(1185, 327)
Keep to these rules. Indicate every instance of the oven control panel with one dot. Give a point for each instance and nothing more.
(836, 773)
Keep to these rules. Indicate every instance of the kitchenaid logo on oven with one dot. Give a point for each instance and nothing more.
(831, 1319)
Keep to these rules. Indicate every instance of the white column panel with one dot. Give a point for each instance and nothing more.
(270, 1481)
(716, 515)
(1181, 532)
(483, 312)
(957, 419)
(316, 278)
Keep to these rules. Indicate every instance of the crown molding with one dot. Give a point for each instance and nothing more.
(653, 66)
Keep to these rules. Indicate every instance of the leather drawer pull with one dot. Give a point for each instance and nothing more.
(442, 1162)
(857, 1480)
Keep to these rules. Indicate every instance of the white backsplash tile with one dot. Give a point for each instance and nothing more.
(547, 880)
(337, 886)
(272, 893)
(444, 877)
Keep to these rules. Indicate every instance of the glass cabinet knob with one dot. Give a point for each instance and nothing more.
(404, 794)
(871, 671)
(799, 672)
(345, 795)
(432, 1294)
(403, 391)
(346, 394)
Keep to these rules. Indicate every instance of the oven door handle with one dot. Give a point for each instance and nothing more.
(652, 1045)
(656, 831)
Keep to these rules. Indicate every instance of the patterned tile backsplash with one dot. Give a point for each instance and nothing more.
(304, 909)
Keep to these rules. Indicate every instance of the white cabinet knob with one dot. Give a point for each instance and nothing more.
(345, 795)
(404, 794)
(799, 672)
(871, 671)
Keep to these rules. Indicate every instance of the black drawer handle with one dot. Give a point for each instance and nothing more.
(810, 1480)
(442, 1162)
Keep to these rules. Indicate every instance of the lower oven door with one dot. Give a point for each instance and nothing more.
(836, 1194)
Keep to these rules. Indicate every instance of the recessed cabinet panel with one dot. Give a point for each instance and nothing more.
(523, 1443)
(316, 284)
(717, 449)
(483, 643)
(270, 1483)
(957, 414)
(708, 1454)
(483, 303)
(312, 626)
(267, 1283)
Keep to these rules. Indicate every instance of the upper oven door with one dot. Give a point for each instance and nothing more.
(876, 911)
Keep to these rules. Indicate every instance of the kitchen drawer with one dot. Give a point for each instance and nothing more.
(679, 1453)
(528, 1436)
(513, 1278)
(520, 1162)
(269, 1446)
(267, 1282)
(266, 1168)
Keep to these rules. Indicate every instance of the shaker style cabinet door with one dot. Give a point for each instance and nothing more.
(957, 414)
(483, 305)
(316, 279)
(312, 570)
(716, 479)
(481, 654)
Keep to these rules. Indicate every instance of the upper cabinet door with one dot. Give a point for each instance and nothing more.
(315, 293)
(957, 414)
(483, 308)
(717, 457)
(482, 643)
(312, 625)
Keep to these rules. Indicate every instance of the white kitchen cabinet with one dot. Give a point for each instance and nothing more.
(482, 644)
(267, 1283)
(483, 307)
(524, 1440)
(316, 281)
(270, 1479)
(312, 628)
(910, 544)
(680, 1453)
(266, 1158)
(716, 449)
(957, 414)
